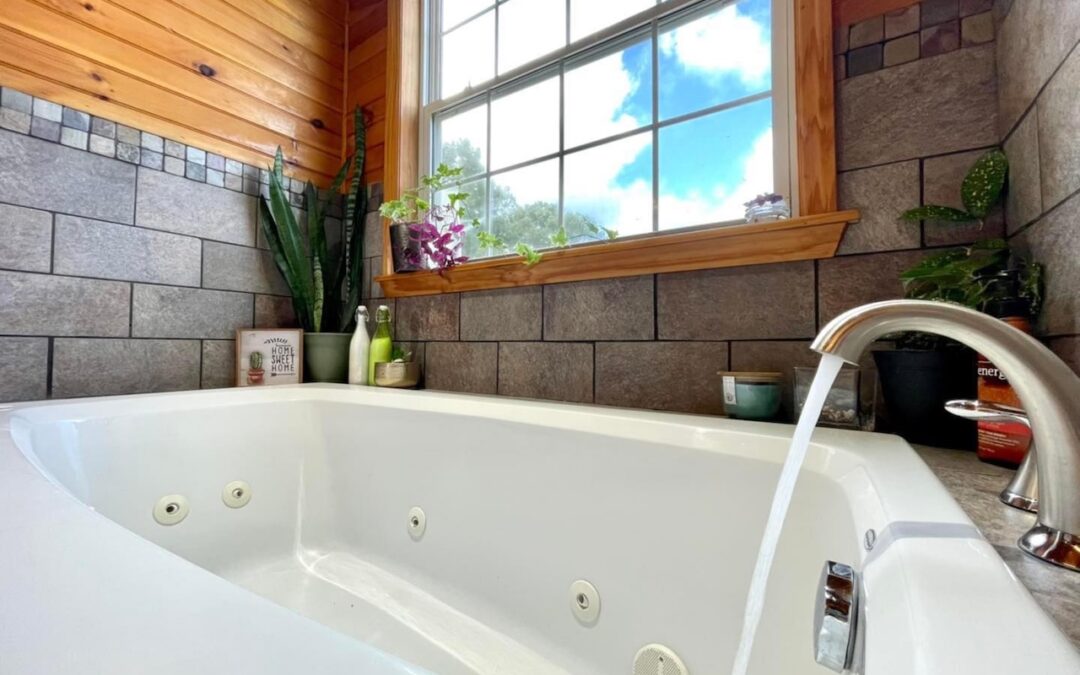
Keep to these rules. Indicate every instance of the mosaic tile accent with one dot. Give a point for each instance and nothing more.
(918, 31)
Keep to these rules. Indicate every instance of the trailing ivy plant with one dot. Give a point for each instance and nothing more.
(980, 192)
(325, 285)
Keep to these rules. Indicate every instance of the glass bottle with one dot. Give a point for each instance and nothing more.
(382, 345)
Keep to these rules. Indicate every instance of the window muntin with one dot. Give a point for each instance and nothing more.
(665, 121)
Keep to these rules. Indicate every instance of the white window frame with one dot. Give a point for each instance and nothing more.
(649, 22)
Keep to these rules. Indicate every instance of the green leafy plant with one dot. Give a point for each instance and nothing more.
(980, 192)
(325, 284)
(400, 354)
(974, 276)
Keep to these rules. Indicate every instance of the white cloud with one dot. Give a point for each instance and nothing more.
(723, 43)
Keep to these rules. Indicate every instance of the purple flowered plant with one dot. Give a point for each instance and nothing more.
(439, 238)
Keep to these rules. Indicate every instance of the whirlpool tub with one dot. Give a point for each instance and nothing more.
(329, 529)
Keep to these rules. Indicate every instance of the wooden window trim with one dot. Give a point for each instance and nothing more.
(814, 234)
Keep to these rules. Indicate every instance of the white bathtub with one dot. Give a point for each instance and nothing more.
(662, 513)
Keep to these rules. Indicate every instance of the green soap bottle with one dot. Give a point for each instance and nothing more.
(382, 346)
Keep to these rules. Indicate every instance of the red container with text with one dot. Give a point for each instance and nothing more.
(1002, 442)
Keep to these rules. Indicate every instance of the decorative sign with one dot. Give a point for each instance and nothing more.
(271, 356)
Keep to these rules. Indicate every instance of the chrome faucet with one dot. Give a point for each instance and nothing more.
(1049, 391)
(1022, 492)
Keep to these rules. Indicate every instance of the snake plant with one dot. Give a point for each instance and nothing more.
(325, 285)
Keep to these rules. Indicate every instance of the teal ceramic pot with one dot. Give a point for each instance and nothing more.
(751, 396)
(326, 357)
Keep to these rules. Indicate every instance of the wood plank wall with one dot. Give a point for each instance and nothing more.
(365, 79)
(237, 77)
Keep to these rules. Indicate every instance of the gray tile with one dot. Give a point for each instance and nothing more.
(196, 156)
(215, 162)
(24, 370)
(215, 178)
(103, 127)
(73, 138)
(264, 176)
(40, 304)
(977, 29)
(881, 194)
(15, 120)
(864, 60)
(128, 153)
(560, 371)
(232, 181)
(901, 50)
(1068, 350)
(76, 119)
(849, 281)
(927, 107)
(25, 239)
(174, 166)
(676, 376)
(89, 185)
(969, 7)
(741, 303)
(1059, 133)
(272, 311)
(427, 317)
(373, 234)
(1054, 241)
(218, 364)
(1032, 42)
(16, 100)
(128, 135)
(88, 367)
(902, 21)
(99, 145)
(234, 167)
(470, 367)
(1023, 202)
(167, 312)
(251, 172)
(840, 39)
(372, 269)
(502, 314)
(866, 32)
(175, 149)
(152, 142)
(152, 160)
(942, 178)
(605, 309)
(92, 248)
(196, 172)
(45, 129)
(239, 268)
(939, 11)
(174, 204)
(940, 39)
(47, 110)
(251, 187)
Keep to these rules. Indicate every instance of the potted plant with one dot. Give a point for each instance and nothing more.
(926, 370)
(325, 284)
(255, 369)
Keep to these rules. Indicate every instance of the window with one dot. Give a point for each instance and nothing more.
(598, 118)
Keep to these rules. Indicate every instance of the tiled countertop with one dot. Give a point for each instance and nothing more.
(975, 485)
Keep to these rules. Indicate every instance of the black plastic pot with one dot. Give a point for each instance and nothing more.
(916, 384)
(400, 242)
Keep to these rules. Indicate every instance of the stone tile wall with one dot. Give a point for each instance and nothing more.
(1038, 57)
(908, 134)
(127, 261)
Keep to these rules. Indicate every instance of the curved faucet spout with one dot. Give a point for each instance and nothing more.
(1048, 390)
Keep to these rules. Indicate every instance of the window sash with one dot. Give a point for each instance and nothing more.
(644, 25)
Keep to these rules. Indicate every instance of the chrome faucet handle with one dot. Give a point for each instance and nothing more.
(985, 410)
(1022, 492)
(836, 617)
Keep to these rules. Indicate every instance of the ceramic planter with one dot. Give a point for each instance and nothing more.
(326, 357)
(916, 384)
(400, 242)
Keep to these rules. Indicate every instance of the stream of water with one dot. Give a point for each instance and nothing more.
(827, 371)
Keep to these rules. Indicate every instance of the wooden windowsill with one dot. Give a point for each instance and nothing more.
(803, 238)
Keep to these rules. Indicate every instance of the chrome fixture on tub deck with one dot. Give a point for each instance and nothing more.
(1022, 491)
(1048, 390)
